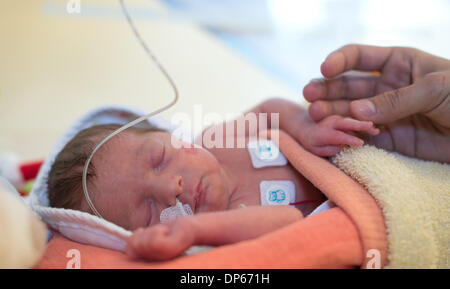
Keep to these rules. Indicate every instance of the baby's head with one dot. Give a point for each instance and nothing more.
(135, 175)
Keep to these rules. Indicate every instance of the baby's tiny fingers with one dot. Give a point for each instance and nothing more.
(135, 244)
(336, 137)
(137, 238)
(350, 124)
(148, 243)
(373, 131)
(130, 251)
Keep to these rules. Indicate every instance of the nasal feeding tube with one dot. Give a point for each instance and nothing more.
(169, 213)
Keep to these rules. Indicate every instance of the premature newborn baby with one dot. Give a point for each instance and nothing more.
(139, 173)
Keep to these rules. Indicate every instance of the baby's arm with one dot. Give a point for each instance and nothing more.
(325, 138)
(171, 239)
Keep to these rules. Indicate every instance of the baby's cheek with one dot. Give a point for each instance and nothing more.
(199, 159)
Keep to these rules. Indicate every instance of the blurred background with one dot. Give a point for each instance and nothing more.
(61, 58)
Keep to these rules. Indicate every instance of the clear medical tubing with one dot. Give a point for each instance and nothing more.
(136, 121)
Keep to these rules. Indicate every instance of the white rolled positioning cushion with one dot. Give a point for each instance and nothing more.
(23, 236)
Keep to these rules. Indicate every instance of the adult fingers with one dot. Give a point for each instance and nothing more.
(347, 86)
(320, 109)
(369, 58)
(428, 62)
(429, 96)
(355, 57)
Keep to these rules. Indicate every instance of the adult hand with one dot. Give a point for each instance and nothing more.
(405, 89)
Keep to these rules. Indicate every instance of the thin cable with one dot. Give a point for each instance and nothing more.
(305, 202)
(136, 121)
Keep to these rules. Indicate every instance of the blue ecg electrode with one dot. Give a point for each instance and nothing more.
(277, 196)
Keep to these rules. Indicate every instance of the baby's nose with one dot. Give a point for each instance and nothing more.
(178, 185)
(175, 189)
(167, 188)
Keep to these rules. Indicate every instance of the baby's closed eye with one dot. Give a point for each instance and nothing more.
(158, 158)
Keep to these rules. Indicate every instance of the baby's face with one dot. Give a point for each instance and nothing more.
(140, 174)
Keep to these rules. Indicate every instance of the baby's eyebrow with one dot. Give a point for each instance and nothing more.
(140, 148)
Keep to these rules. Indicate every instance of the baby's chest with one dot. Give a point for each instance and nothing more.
(266, 177)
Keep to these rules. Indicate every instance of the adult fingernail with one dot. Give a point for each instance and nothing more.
(364, 108)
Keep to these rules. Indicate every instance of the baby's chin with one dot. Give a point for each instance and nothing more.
(216, 195)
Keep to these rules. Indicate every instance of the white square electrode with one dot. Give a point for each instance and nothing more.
(265, 153)
(277, 192)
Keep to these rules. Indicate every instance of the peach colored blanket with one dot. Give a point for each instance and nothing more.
(342, 237)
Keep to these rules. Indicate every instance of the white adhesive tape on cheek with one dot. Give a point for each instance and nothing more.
(177, 211)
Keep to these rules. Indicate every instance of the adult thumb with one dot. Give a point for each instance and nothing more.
(392, 105)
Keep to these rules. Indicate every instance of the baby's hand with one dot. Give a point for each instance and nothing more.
(327, 137)
(162, 241)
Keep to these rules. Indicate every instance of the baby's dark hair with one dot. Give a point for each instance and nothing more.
(64, 181)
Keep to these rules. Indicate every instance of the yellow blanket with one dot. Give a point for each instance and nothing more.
(414, 196)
